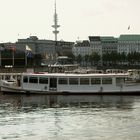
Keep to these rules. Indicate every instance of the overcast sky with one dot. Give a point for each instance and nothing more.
(78, 18)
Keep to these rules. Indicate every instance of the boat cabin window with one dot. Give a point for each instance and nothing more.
(106, 80)
(95, 81)
(33, 80)
(120, 80)
(7, 77)
(63, 81)
(73, 81)
(43, 80)
(25, 79)
(128, 79)
(84, 81)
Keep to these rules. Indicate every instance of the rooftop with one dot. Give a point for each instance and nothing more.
(103, 38)
(130, 37)
(108, 39)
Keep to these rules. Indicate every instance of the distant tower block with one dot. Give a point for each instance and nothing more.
(55, 26)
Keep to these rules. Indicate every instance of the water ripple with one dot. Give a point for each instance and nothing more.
(108, 119)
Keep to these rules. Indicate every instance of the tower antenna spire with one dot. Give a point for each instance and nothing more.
(55, 26)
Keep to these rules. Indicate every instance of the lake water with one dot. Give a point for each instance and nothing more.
(31, 117)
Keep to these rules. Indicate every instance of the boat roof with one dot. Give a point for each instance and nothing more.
(78, 75)
(10, 73)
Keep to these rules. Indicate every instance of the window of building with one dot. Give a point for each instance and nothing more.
(25, 79)
(95, 81)
(84, 81)
(43, 80)
(106, 80)
(73, 81)
(33, 80)
(63, 81)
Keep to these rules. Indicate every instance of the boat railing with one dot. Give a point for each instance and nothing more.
(115, 71)
(84, 71)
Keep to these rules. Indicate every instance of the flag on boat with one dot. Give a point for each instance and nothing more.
(28, 51)
(28, 48)
(129, 27)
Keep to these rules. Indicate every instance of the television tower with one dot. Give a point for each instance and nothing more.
(55, 26)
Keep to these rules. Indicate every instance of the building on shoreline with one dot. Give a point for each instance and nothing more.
(42, 50)
(127, 44)
(48, 50)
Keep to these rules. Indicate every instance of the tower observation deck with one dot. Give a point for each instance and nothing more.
(55, 26)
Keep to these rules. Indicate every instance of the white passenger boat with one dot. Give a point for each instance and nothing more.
(71, 83)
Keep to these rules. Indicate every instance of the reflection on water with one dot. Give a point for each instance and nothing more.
(69, 117)
(22, 100)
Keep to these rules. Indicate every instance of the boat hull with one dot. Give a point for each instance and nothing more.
(10, 90)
